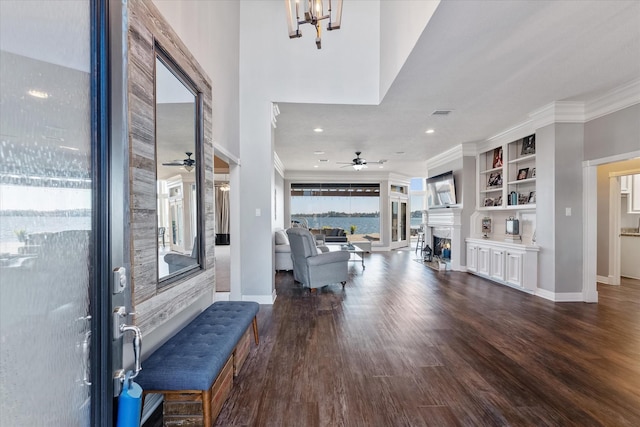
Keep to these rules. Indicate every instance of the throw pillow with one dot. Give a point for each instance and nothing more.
(281, 238)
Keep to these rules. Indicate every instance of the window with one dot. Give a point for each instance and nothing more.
(417, 194)
(355, 208)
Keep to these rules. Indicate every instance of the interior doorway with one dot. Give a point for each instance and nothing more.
(623, 222)
(596, 202)
(222, 185)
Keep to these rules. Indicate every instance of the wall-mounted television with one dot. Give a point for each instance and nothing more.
(441, 191)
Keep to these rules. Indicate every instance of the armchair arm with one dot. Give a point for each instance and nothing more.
(179, 260)
(328, 258)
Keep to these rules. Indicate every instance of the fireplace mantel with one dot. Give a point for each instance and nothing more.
(444, 217)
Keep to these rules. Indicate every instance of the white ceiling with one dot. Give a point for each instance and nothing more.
(491, 62)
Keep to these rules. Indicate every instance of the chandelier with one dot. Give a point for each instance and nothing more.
(313, 13)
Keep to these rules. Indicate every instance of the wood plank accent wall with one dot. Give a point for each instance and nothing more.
(155, 306)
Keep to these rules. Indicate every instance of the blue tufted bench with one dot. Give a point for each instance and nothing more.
(194, 369)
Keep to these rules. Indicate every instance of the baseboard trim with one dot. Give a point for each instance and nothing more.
(560, 296)
(602, 279)
(261, 299)
(222, 296)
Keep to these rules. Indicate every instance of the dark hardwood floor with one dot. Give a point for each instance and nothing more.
(404, 345)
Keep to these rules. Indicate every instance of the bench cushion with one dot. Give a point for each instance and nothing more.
(193, 357)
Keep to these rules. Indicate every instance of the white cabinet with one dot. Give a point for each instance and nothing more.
(630, 256)
(484, 261)
(625, 184)
(497, 263)
(512, 264)
(634, 194)
(472, 258)
(514, 268)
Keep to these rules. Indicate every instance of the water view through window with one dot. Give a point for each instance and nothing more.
(354, 208)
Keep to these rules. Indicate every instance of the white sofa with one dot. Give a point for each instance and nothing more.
(283, 251)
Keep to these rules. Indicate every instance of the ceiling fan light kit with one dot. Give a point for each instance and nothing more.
(359, 163)
(187, 164)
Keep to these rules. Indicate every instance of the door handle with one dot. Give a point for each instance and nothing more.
(137, 347)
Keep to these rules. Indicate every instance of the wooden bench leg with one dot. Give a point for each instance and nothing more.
(255, 330)
(206, 408)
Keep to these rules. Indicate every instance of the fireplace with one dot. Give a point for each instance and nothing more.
(442, 248)
(443, 231)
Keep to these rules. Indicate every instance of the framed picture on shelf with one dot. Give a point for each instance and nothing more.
(532, 173)
(486, 225)
(497, 158)
(523, 199)
(495, 179)
(488, 201)
(522, 174)
(528, 145)
(532, 197)
(497, 201)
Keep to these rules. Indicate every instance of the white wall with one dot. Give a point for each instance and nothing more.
(568, 229)
(546, 206)
(401, 24)
(210, 30)
(613, 134)
(274, 68)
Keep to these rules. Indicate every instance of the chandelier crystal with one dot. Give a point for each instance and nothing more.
(312, 13)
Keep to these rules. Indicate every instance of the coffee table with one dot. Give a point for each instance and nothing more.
(356, 253)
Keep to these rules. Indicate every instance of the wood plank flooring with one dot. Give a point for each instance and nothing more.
(404, 345)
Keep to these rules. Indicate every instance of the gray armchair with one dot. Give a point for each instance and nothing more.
(177, 262)
(312, 267)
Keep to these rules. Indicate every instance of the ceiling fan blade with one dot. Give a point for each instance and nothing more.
(174, 163)
(344, 163)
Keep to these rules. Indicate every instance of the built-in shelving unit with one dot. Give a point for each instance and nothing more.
(507, 176)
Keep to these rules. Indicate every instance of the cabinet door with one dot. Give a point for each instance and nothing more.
(497, 264)
(625, 184)
(634, 196)
(484, 261)
(514, 268)
(472, 258)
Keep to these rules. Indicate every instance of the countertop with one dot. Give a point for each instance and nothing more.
(630, 232)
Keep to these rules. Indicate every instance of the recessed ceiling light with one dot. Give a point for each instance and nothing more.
(318, 152)
(323, 160)
(399, 152)
(429, 131)
(381, 167)
(318, 130)
(315, 166)
(38, 94)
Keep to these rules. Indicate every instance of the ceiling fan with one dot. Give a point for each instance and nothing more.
(186, 163)
(358, 163)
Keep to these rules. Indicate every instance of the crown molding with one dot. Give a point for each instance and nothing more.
(225, 155)
(617, 99)
(558, 112)
(452, 154)
(277, 164)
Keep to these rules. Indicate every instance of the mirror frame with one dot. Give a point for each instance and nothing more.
(163, 56)
(155, 306)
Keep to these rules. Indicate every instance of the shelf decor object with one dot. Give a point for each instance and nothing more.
(528, 145)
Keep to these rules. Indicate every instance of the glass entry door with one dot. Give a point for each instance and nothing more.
(398, 223)
(48, 207)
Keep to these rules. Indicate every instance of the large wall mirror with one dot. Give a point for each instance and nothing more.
(178, 158)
